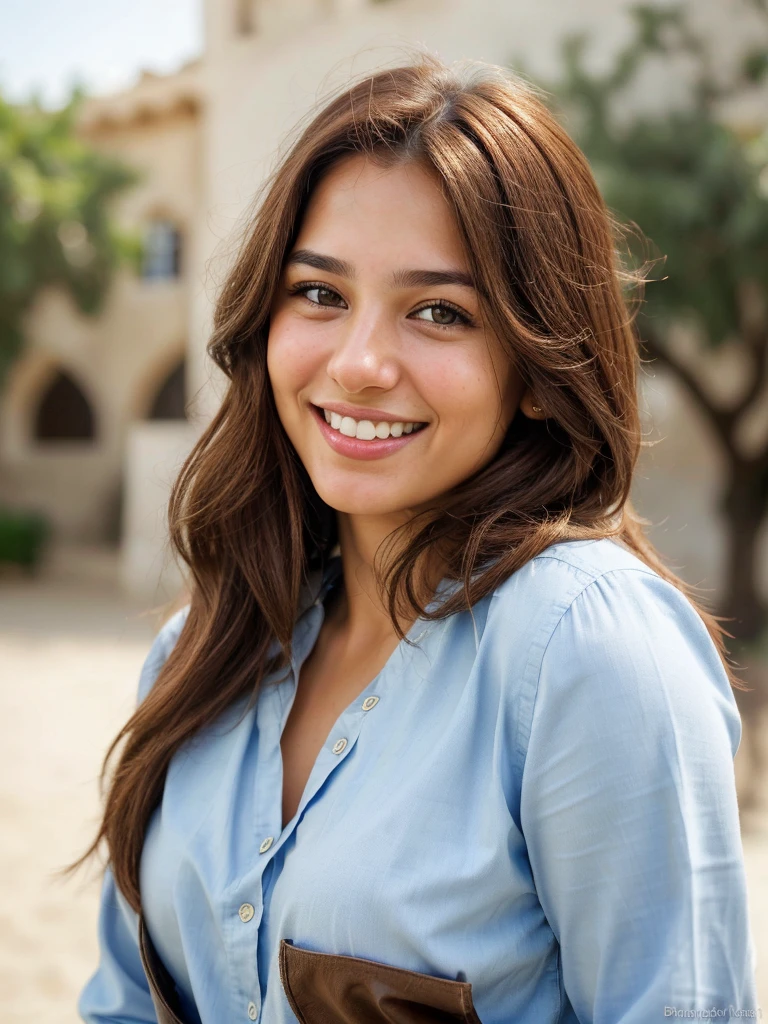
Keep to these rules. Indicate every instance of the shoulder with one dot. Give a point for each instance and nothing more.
(599, 572)
(529, 604)
(587, 626)
(570, 567)
(604, 588)
(161, 648)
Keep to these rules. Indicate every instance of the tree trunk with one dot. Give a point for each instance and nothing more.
(744, 509)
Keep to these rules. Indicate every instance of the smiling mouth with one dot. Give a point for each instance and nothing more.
(368, 430)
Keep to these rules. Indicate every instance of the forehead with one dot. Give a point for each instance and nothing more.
(362, 211)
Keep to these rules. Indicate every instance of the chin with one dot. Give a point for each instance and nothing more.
(352, 505)
(351, 500)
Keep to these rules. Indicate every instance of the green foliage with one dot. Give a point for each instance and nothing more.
(679, 171)
(695, 186)
(55, 227)
(22, 537)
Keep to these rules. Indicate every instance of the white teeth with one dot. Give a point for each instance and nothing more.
(367, 430)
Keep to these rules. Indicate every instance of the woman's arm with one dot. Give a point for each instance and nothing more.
(629, 807)
(118, 992)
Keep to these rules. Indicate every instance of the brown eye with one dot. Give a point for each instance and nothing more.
(319, 295)
(328, 298)
(442, 315)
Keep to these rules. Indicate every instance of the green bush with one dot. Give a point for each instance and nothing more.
(22, 536)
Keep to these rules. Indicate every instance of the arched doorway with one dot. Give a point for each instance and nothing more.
(64, 412)
(170, 398)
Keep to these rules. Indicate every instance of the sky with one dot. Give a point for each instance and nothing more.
(46, 46)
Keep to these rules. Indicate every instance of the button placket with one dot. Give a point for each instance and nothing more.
(343, 742)
(322, 769)
(325, 765)
(273, 708)
(242, 940)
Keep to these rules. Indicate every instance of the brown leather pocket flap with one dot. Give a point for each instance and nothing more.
(327, 988)
(161, 986)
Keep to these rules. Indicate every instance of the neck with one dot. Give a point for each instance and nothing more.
(363, 610)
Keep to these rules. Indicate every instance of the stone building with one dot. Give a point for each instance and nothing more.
(206, 139)
(83, 382)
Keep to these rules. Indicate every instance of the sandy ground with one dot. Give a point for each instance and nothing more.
(70, 652)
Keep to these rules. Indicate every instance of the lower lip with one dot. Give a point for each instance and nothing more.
(354, 448)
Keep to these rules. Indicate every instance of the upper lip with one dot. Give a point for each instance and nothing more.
(358, 413)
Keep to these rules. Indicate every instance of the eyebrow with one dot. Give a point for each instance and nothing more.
(400, 278)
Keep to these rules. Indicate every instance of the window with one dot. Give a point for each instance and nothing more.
(170, 401)
(162, 250)
(64, 413)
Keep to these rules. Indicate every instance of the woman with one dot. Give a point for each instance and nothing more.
(437, 737)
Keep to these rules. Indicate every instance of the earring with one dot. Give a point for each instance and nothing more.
(536, 408)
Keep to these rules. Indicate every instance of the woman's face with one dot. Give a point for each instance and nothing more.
(387, 383)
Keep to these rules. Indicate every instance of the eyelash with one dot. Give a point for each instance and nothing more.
(465, 319)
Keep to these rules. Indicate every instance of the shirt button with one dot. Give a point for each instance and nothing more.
(252, 1011)
(246, 912)
(266, 844)
(370, 702)
(338, 746)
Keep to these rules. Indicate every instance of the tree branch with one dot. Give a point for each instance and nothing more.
(720, 419)
(753, 327)
(759, 356)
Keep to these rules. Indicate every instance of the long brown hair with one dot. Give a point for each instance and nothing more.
(245, 518)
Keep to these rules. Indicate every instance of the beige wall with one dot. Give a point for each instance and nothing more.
(121, 357)
(153, 456)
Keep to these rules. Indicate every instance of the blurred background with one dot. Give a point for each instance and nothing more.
(133, 137)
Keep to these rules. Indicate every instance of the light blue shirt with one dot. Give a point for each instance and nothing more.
(540, 802)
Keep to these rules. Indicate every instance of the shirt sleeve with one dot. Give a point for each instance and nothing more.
(118, 992)
(628, 806)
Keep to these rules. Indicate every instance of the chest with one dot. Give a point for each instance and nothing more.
(329, 681)
(403, 839)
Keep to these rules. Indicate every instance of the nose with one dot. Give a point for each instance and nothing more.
(365, 354)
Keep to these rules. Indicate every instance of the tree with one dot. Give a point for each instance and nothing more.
(698, 188)
(55, 227)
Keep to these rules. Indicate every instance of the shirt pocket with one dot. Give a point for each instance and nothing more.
(327, 988)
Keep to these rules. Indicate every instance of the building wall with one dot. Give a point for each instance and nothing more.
(121, 357)
(205, 141)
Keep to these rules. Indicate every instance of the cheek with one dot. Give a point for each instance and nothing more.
(467, 390)
(291, 362)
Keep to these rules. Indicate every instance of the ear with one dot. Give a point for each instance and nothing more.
(531, 407)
